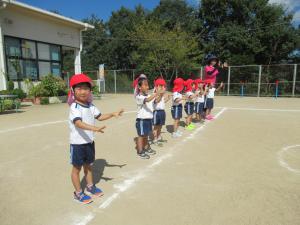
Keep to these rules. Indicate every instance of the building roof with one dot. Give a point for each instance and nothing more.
(42, 12)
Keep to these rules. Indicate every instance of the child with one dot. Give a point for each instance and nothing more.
(82, 127)
(177, 105)
(199, 104)
(145, 103)
(209, 101)
(189, 105)
(159, 114)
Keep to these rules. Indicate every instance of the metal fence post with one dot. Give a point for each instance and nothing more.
(294, 80)
(176, 72)
(115, 78)
(201, 72)
(259, 80)
(228, 81)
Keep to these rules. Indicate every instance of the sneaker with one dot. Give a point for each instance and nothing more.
(189, 127)
(158, 143)
(143, 155)
(150, 151)
(176, 135)
(192, 125)
(209, 117)
(179, 132)
(82, 198)
(97, 192)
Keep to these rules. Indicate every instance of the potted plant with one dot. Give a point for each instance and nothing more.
(37, 92)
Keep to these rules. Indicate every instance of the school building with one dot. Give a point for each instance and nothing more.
(35, 42)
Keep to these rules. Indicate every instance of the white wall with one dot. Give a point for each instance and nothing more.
(20, 23)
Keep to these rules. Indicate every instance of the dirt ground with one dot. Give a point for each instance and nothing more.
(241, 168)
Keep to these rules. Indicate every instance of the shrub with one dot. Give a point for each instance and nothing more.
(38, 91)
(19, 92)
(44, 101)
(10, 85)
(8, 104)
(54, 86)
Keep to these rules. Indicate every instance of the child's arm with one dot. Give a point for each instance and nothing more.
(110, 115)
(85, 126)
(150, 98)
(219, 88)
(168, 98)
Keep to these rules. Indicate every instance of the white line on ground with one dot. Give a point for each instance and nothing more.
(142, 173)
(258, 109)
(43, 124)
(282, 162)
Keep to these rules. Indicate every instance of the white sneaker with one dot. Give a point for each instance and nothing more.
(175, 135)
(179, 132)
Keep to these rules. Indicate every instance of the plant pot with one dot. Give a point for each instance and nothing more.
(31, 100)
(57, 99)
(37, 101)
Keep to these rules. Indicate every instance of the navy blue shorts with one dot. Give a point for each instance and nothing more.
(209, 103)
(189, 108)
(199, 107)
(143, 127)
(82, 154)
(176, 112)
(159, 117)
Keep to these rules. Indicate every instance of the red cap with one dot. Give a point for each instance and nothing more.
(188, 84)
(159, 81)
(208, 81)
(178, 85)
(80, 78)
(197, 82)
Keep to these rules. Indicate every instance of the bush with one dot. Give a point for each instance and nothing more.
(19, 92)
(8, 104)
(38, 91)
(44, 101)
(54, 86)
(10, 85)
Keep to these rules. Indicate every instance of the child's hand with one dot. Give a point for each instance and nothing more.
(119, 113)
(99, 129)
(225, 64)
(222, 84)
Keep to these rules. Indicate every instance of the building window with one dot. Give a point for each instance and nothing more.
(44, 68)
(31, 59)
(30, 69)
(28, 49)
(13, 47)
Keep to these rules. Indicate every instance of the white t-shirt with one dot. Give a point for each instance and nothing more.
(87, 114)
(200, 98)
(144, 109)
(211, 93)
(188, 95)
(160, 105)
(177, 95)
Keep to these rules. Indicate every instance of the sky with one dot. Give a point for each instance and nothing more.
(79, 9)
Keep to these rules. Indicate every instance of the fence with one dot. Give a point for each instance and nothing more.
(246, 80)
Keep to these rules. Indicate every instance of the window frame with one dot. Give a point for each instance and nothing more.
(36, 60)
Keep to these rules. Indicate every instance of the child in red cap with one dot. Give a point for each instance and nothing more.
(82, 118)
(145, 105)
(176, 109)
(159, 114)
(209, 100)
(199, 102)
(189, 104)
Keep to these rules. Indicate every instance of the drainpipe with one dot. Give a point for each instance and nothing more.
(3, 5)
(78, 53)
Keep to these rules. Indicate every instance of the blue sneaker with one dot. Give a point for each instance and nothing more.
(97, 192)
(82, 198)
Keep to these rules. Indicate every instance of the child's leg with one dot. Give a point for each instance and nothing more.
(155, 132)
(176, 122)
(159, 131)
(140, 144)
(88, 174)
(146, 143)
(75, 178)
